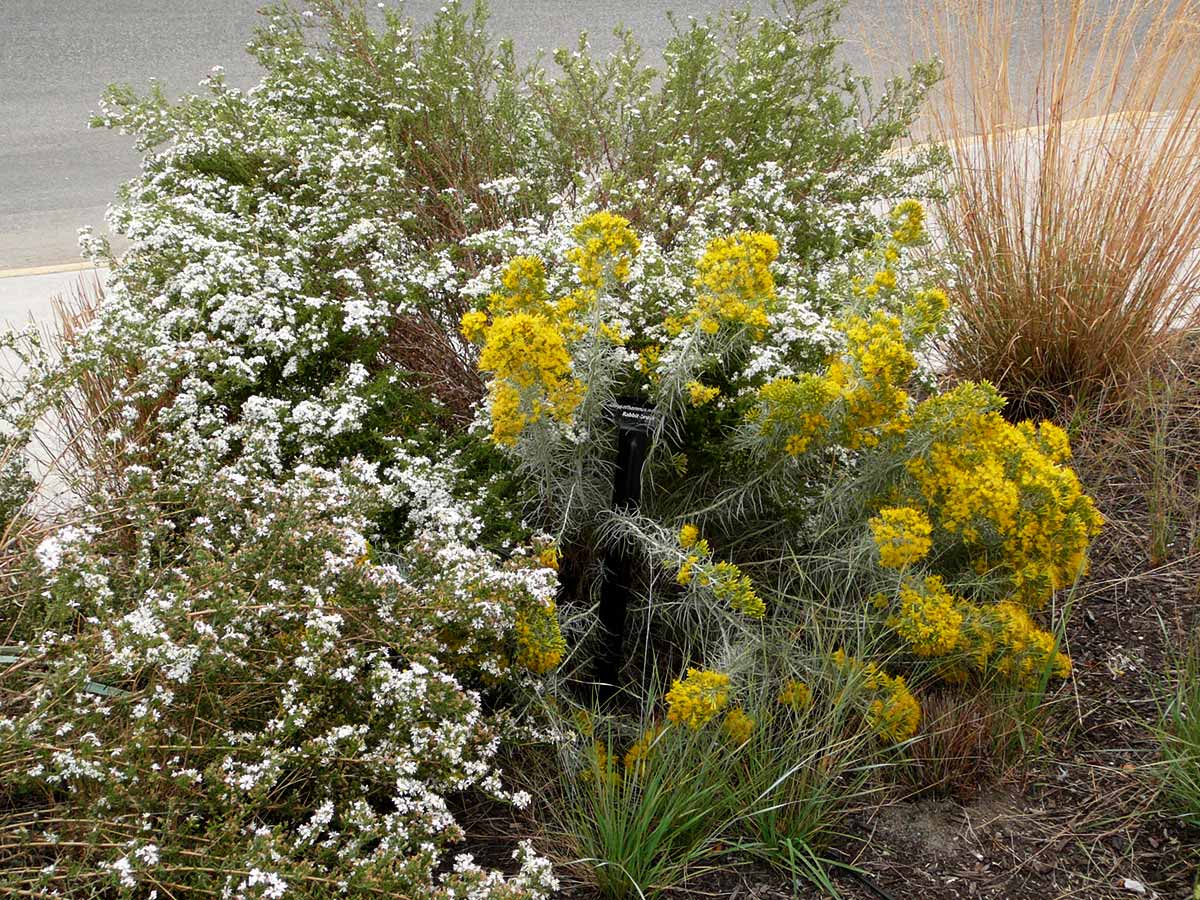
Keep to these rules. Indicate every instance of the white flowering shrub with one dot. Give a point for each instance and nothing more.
(315, 237)
(250, 699)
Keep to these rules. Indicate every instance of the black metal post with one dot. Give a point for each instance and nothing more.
(635, 425)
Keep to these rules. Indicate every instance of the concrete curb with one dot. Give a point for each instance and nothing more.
(50, 270)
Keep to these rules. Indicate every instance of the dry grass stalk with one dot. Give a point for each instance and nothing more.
(1075, 215)
(84, 413)
(88, 413)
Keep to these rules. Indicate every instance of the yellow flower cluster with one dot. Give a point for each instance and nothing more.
(734, 284)
(698, 553)
(731, 586)
(929, 618)
(697, 698)
(527, 356)
(550, 556)
(995, 637)
(795, 694)
(540, 642)
(700, 394)
(1004, 491)
(689, 536)
(925, 312)
(902, 535)
(647, 362)
(526, 343)
(885, 279)
(1007, 641)
(892, 712)
(870, 378)
(474, 325)
(895, 714)
(724, 579)
(738, 726)
(861, 397)
(793, 409)
(524, 288)
(908, 221)
(606, 248)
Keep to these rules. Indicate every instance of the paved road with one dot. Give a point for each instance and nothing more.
(56, 174)
(55, 58)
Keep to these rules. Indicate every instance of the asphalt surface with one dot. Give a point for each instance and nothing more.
(56, 56)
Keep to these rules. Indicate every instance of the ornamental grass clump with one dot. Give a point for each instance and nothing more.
(713, 771)
(1074, 216)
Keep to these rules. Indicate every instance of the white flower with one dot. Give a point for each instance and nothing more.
(49, 554)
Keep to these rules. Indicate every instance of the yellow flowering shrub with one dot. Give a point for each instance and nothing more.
(1003, 490)
(527, 357)
(901, 535)
(526, 350)
(697, 698)
(1007, 640)
(524, 288)
(474, 324)
(731, 585)
(925, 312)
(895, 714)
(527, 342)
(689, 536)
(801, 419)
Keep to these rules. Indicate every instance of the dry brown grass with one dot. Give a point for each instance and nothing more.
(78, 439)
(952, 754)
(1147, 469)
(1074, 221)
(86, 414)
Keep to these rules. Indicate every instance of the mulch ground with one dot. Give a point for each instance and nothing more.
(1082, 819)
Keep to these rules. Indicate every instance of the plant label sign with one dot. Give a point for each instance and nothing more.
(636, 424)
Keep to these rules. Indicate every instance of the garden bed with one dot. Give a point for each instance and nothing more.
(340, 440)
